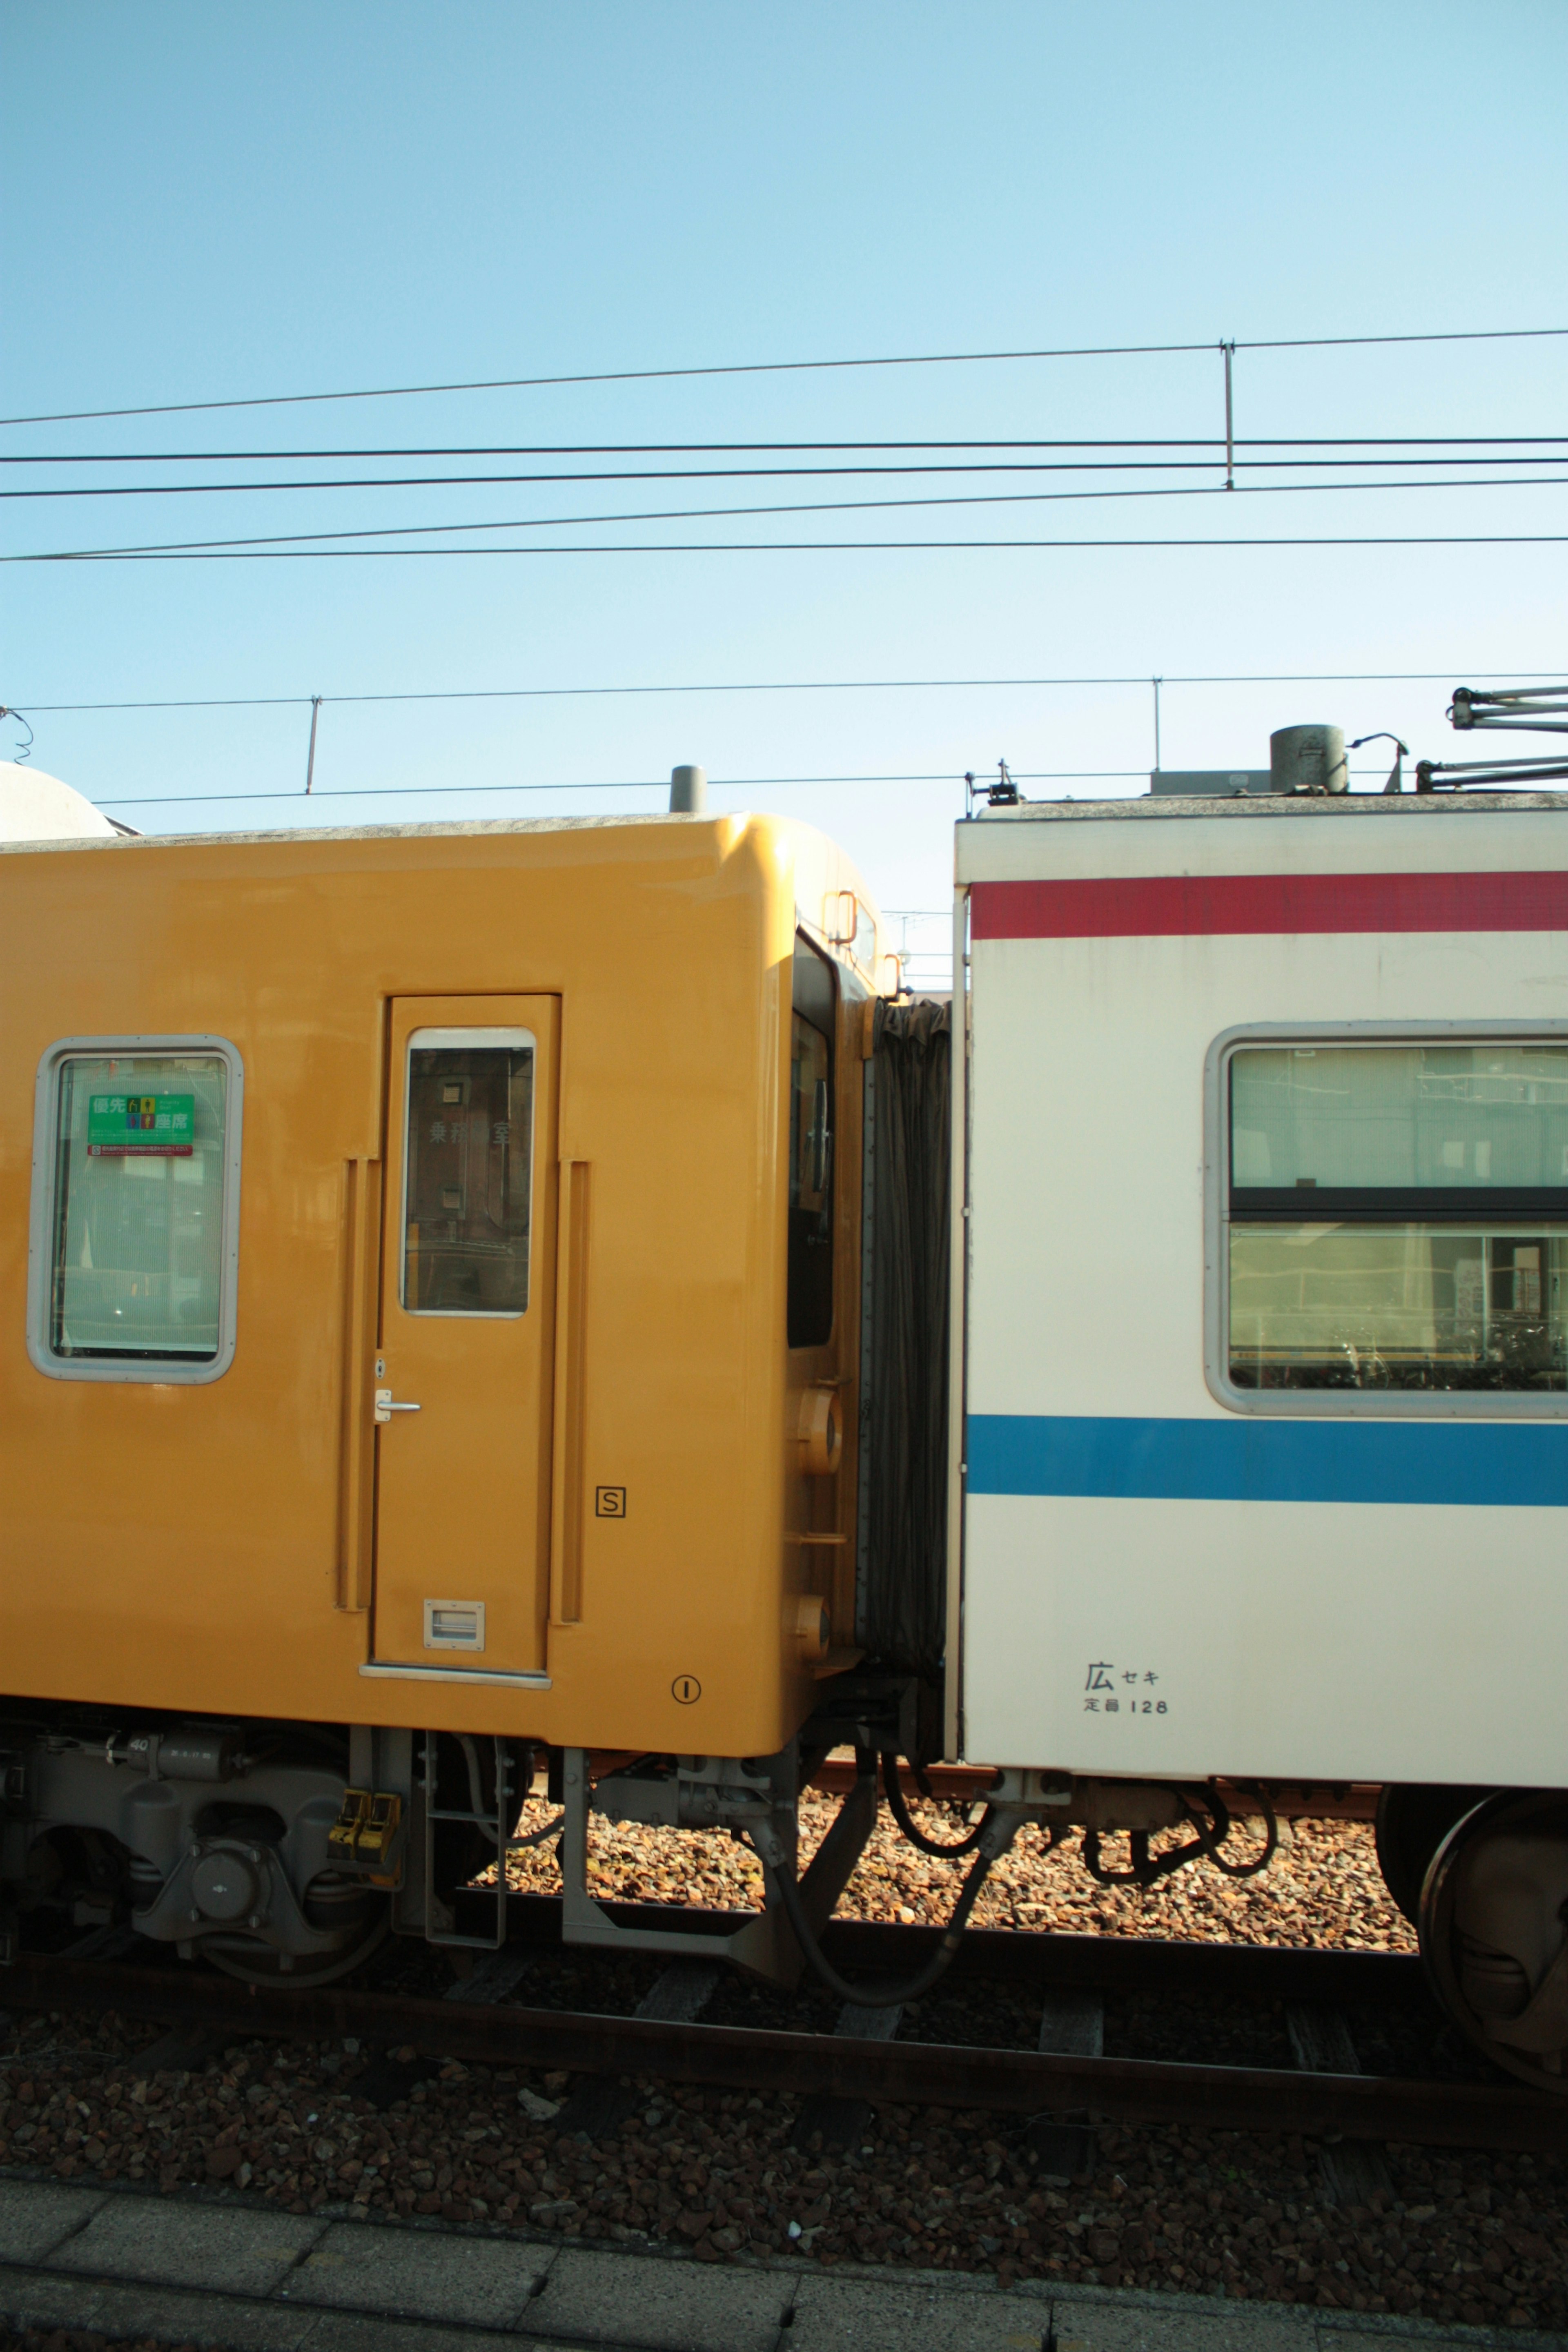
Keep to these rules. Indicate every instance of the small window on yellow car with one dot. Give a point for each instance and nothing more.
(469, 1172)
(137, 1228)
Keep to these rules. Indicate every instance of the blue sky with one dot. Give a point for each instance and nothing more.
(203, 204)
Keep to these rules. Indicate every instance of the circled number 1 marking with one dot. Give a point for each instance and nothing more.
(686, 1690)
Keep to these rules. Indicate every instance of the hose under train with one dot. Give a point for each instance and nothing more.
(781, 1878)
(898, 1805)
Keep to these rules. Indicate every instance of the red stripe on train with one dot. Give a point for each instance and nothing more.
(1170, 905)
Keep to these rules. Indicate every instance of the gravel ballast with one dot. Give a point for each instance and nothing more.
(1323, 1886)
(1468, 2237)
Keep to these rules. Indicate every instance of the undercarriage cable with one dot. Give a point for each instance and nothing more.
(1146, 1869)
(537, 1837)
(906, 1821)
(995, 1835)
(1270, 1841)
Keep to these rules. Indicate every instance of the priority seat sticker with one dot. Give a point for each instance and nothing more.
(140, 1126)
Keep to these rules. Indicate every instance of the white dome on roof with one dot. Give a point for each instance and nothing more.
(37, 807)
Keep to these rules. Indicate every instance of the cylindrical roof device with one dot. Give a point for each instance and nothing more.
(1308, 760)
(688, 791)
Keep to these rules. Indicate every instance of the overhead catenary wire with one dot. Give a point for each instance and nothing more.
(613, 785)
(1468, 442)
(773, 547)
(625, 784)
(303, 538)
(55, 492)
(797, 686)
(791, 367)
(1425, 457)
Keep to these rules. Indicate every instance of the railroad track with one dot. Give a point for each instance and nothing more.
(854, 2063)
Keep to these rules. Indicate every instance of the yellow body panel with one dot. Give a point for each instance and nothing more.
(213, 1546)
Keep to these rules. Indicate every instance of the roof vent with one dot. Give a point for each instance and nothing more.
(1308, 760)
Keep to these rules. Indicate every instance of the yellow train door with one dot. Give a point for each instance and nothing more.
(464, 1366)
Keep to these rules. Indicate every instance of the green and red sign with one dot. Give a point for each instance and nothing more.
(140, 1126)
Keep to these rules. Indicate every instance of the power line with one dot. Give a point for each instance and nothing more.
(766, 547)
(629, 784)
(1217, 445)
(620, 785)
(620, 376)
(716, 474)
(784, 367)
(601, 450)
(305, 539)
(1347, 343)
(1543, 449)
(787, 686)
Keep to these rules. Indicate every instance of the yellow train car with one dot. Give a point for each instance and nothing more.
(429, 1313)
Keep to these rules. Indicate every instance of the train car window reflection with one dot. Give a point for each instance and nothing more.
(136, 1264)
(469, 1174)
(865, 948)
(1433, 1253)
(810, 1306)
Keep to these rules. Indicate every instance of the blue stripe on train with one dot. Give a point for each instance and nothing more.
(1268, 1461)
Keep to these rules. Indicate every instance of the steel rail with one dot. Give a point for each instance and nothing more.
(1112, 1964)
(1231, 2098)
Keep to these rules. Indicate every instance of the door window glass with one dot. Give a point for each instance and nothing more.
(469, 1172)
(137, 1241)
(1399, 1217)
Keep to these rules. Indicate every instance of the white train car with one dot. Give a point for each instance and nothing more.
(1261, 1305)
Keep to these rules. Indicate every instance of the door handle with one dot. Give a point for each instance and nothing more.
(387, 1404)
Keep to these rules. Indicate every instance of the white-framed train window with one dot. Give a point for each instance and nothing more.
(134, 1234)
(1387, 1220)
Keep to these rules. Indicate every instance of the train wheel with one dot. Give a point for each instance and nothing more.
(1494, 1931)
(1412, 1823)
(261, 1964)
